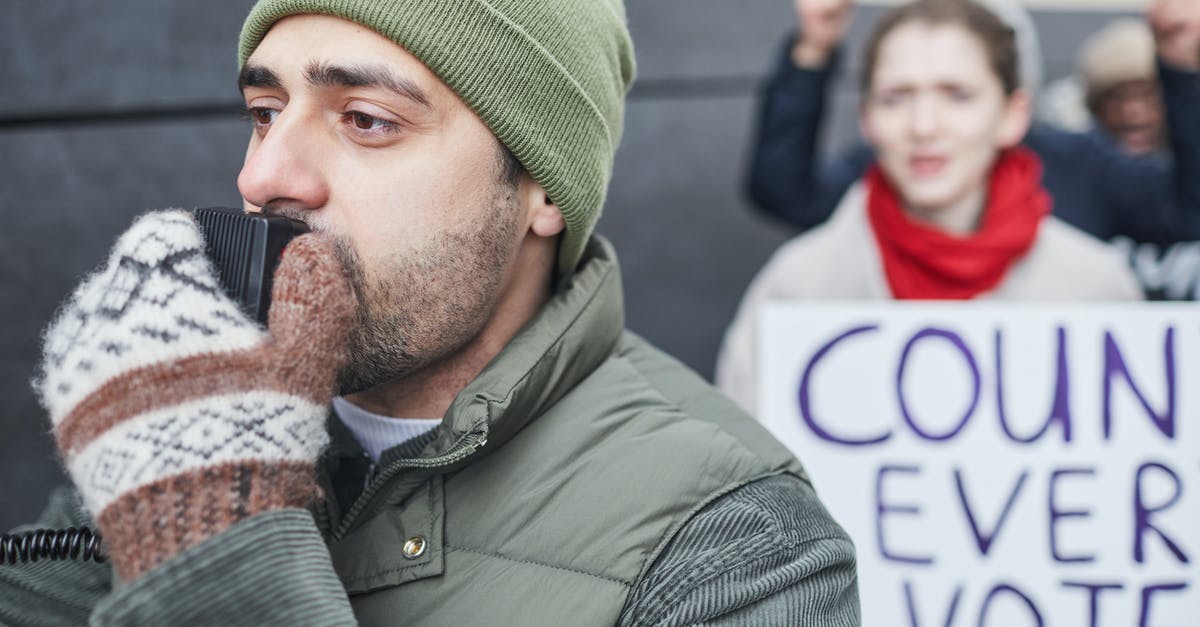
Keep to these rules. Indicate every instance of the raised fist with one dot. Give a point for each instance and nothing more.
(1176, 26)
(821, 25)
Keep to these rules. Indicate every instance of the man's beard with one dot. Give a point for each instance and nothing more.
(422, 306)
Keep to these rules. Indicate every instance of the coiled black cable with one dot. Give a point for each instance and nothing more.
(51, 544)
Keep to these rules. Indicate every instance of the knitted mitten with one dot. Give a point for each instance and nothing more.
(175, 414)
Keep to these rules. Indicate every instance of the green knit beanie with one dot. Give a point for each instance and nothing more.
(548, 77)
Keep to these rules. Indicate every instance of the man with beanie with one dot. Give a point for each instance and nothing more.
(499, 451)
(1120, 80)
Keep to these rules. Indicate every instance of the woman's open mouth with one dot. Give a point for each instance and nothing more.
(927, 165)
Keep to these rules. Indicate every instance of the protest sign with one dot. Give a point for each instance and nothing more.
(1000, 465)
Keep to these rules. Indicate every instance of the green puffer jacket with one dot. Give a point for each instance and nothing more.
(555, 482)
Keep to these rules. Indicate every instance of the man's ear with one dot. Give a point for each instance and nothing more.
(545, 220)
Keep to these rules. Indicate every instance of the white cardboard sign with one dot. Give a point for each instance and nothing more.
(1000, 465)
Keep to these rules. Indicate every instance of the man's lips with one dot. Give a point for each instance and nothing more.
(926, 165)
(291, 214)
(1138, 140)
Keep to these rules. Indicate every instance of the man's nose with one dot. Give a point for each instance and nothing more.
(1136, 110)
(924, 117)
(284, 166)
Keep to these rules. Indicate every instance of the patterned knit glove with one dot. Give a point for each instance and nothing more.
(175, 414)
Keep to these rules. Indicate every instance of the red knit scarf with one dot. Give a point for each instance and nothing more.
(922, 262)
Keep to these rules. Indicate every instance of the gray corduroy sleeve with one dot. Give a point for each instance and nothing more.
(53, 592)
(767, 553)
(272, 568)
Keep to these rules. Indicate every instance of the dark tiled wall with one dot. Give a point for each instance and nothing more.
(110, 109)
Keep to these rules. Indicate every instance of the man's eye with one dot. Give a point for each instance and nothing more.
(261, 116)
(363, 121)
(366, 122)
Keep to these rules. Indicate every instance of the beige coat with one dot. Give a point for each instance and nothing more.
(839, 261)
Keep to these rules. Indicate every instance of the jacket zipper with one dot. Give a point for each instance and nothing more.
(372, 468)
(377, 478)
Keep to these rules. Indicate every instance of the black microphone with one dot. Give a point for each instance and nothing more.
(246, 248)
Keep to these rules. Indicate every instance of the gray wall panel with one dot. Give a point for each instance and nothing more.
(691, 39)
(66, 195)
(71, 56)
(687, 239)
(67, 56)
(1061, 32)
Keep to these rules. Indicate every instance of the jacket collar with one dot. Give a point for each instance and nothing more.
(571, 335)
(568, 338)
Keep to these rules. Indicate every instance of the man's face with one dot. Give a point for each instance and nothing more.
(937, 115)
(356, 137)
(1132, 113)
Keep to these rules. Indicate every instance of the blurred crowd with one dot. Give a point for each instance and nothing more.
(974, 182)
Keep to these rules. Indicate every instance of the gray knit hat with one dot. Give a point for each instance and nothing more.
(548, 77)
(1120, 52)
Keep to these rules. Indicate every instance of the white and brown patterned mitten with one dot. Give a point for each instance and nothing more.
(175, 414)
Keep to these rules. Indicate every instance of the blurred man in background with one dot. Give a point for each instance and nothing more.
(1115, 95)
(1114, 91)
(1121, 85)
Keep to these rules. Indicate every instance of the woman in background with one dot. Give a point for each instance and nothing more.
(952, 208)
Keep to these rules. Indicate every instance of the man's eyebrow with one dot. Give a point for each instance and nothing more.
(322, 75)
(257, 76)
